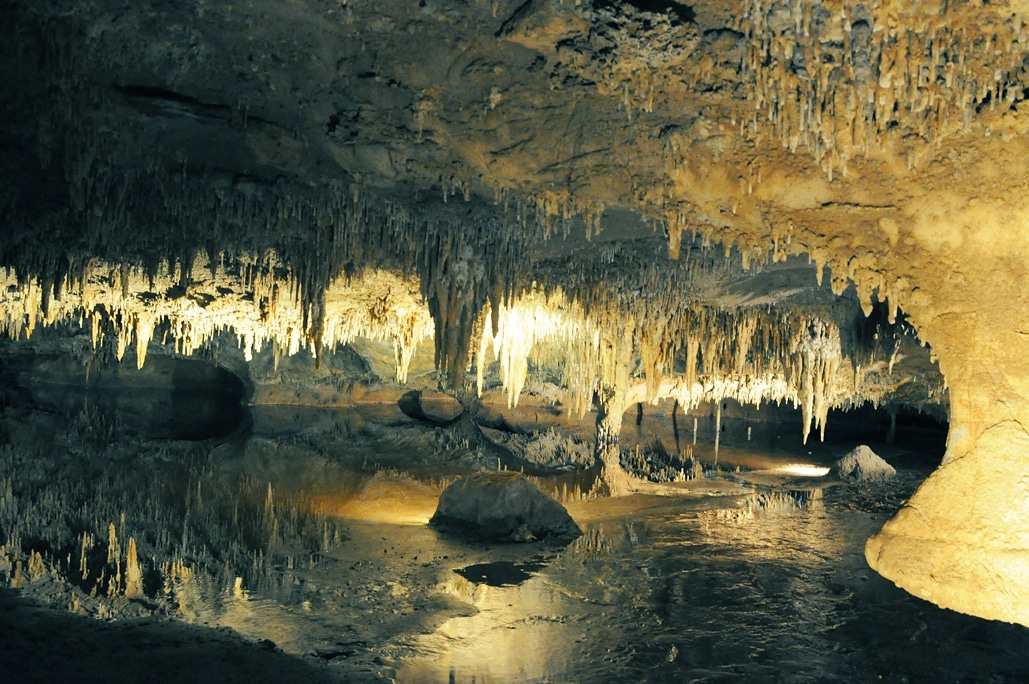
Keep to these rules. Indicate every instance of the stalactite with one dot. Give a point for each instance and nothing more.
(901, 76)
(285, 254)
(375, 304)
(818, 358)
(137, 214)
(686, 350)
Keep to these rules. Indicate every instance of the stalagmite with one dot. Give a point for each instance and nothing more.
(87, 544)
(133, 573)
(718, 427)
(114, 558)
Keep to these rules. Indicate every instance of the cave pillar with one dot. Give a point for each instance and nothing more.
(962, 540)
(609, 400)
(610, 404)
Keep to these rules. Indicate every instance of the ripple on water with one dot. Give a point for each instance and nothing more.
(782, 596)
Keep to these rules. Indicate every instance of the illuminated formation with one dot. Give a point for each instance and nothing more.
(750, 354)
(123, 307)
(638, 199)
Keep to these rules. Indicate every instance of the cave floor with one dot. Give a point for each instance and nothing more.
(289, 556)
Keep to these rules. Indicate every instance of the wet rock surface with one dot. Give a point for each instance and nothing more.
(502, 506)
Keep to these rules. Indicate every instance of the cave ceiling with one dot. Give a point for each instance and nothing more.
(262, 161)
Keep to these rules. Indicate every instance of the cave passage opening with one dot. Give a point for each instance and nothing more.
(171, 398)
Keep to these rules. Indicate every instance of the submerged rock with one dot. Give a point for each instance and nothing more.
(502, 506)
(862, 465)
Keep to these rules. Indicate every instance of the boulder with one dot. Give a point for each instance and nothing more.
(502, 506)
(435, 408)
(439, 407)
(862, 465)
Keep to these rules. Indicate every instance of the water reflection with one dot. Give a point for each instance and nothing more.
(174, 399)
(520, 632)
(696, 595)
(303, 533)
(500, 573)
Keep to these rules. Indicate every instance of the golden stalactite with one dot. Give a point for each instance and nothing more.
(682, 349)
(846, 78)
(256, 302)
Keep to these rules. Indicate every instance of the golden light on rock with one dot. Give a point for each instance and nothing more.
(813, 203)
(802, 470)
(122, 305)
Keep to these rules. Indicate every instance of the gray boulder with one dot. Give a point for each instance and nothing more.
(862, 465)
(502, 506)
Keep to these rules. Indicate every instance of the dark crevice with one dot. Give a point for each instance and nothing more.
(723, 32)
(678, 13)
(857, 205)
(181, 103)
(155, 93)
(508, 26)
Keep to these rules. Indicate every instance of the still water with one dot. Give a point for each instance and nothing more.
(659, 589)
(672, 593)
(312, 538)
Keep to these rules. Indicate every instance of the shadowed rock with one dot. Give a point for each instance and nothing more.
(502, 506)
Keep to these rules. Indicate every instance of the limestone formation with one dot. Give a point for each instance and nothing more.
(959, 541)
(133, 572)
(818, 203)
(862, 466)
(502, 506)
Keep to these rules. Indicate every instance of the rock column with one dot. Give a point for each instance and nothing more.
(609, 399)
(962, 540)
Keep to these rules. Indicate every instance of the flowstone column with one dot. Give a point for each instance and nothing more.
(962, 540)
